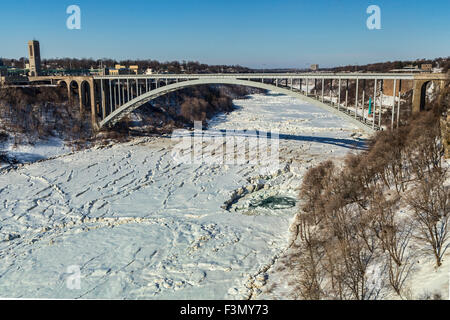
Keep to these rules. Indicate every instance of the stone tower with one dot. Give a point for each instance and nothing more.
(34, 53)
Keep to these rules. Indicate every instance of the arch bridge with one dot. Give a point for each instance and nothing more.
(112, 97)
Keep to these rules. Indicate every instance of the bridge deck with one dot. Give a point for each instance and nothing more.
(246, 76)
(111, 97)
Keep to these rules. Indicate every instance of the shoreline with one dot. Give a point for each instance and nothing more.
(165, 217)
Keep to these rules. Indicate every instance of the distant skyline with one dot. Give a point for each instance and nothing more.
(256, 34)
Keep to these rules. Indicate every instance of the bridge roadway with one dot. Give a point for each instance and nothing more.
(112, 97)
(284, 88)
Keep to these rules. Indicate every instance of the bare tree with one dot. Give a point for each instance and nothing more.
(431, 211)
(395, 236)
(309, 273)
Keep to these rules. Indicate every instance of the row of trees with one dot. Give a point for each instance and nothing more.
(169, 66)
(362, 222)
(31, 113)
(180, 109)
(390, 65)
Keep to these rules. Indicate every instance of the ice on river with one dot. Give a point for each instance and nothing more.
(138, 225)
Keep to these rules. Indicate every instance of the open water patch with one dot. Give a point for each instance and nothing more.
(274, 203)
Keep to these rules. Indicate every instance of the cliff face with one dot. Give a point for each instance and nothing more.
(31, 114)
(181, 108)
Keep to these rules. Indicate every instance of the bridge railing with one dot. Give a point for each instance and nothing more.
(119, 90)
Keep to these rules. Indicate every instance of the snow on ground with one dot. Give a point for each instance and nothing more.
(427, 280)
(26, 153)
(139, 225)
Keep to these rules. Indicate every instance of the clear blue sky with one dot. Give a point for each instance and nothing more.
(263, 33)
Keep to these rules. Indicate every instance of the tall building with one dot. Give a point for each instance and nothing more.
(34, 53)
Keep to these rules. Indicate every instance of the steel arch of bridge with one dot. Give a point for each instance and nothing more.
(125, 109)
(111, 97)
(115, 96)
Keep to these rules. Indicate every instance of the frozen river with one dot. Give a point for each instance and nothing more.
(127, 221)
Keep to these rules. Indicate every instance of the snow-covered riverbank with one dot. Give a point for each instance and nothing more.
(139, 225)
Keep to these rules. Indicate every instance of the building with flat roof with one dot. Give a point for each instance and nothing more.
(116, 72)
(34, 52)
(426, 66)
(134, 69)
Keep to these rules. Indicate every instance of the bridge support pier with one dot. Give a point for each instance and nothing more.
(323, 87)
(69, 92)
(315, 88)
(420, 89)
(364, 103)
(374, 111)
(331, 91)
(102, 97)
(418, 98)
(356, 98)
(339, 94)
(346, 95)
(393, 104)
(82, 95)
(93, 104)
(399, 101)
(381, 102)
